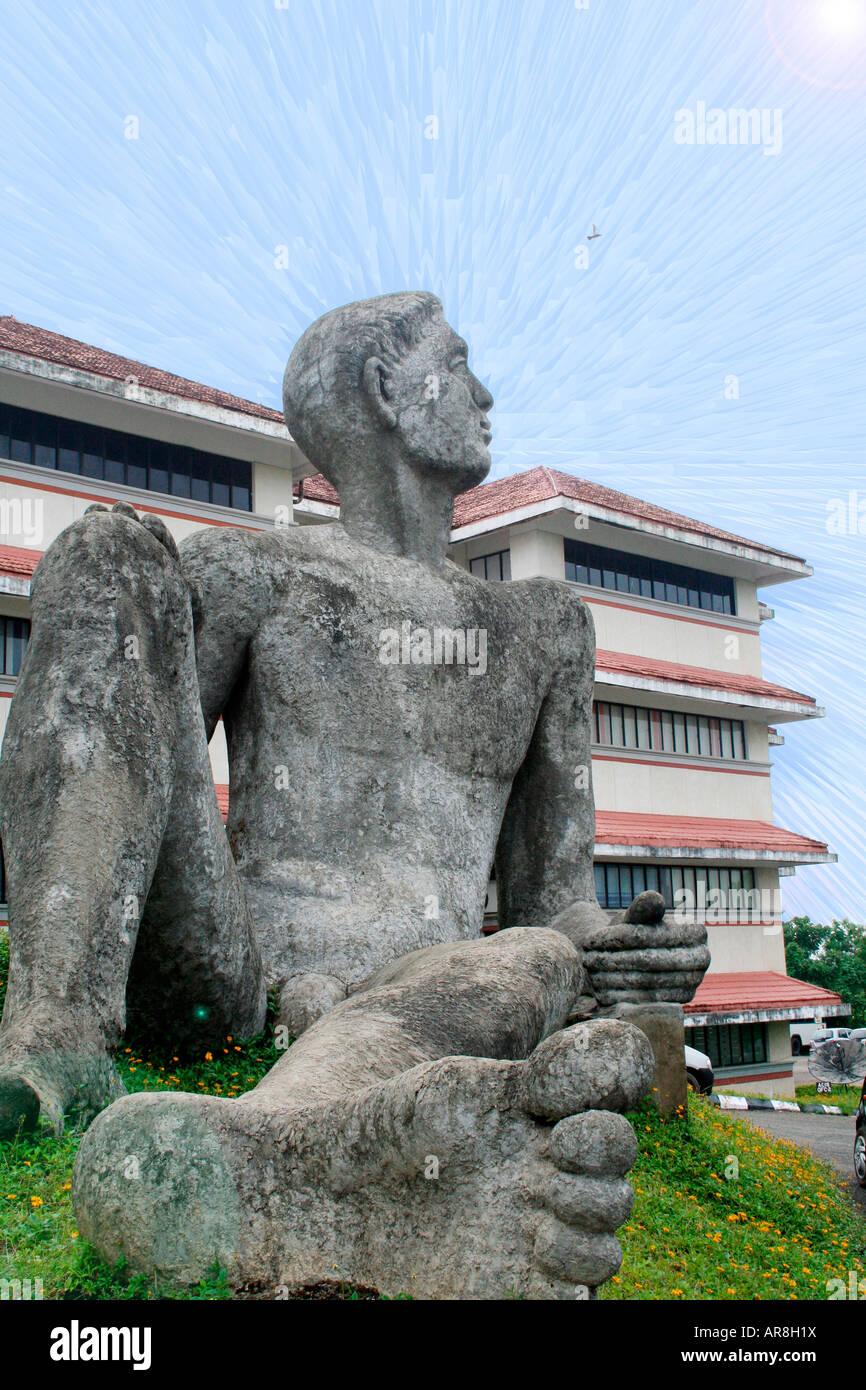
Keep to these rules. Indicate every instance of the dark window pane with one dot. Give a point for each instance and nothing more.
(20, 430)
(69, 441)
(221, 487)
(45, 441)
(160, 465)
(115, 457)
(241, 500)
(16, 631)
(180, 484)
(199, 484)
(136, 461)
(92, 465)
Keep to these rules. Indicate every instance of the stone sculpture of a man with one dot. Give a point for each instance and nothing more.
(369, 796)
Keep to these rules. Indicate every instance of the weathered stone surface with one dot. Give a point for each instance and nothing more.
(305, 998)
(597, 1142)
(443, 1180)
(637, 961)
(592, 1065)
(663, 1025)
(648, 907)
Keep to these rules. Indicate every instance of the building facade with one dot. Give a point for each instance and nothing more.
(683, 719)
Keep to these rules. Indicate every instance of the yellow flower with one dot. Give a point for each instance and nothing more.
(36, 1201)
(208, 1056)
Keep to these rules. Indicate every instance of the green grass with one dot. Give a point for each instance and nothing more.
(722, 1211)
(846, 1099)
(779, 1229)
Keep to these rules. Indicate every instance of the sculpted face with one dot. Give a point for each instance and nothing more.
(435, 406)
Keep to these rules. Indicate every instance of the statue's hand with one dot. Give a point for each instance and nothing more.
(641, 956)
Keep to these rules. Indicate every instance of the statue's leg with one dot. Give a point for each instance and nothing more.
(103, 743)
(434, 1135)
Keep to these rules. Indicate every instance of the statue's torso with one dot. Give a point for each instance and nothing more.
(370, 773)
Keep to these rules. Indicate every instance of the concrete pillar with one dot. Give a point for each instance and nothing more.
(663, 1025)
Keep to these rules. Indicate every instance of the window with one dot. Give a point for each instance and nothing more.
(731, 1044)
(668, 731)
(46, 441)
(722, 895)
(496, 566)
(646, 578)
(14, 635)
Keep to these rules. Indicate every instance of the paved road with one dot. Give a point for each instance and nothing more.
(830, 1137)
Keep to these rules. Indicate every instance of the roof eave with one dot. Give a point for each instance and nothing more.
(775, 566)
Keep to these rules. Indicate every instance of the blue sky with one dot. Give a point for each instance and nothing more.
(283, 165)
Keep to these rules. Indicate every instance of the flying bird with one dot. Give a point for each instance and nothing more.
(594, 233)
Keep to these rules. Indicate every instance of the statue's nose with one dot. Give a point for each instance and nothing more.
(481, 395)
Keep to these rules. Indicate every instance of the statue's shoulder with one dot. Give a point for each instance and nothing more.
(237, 549)
(552, 600)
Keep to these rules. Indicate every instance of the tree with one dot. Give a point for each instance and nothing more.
(833, 957)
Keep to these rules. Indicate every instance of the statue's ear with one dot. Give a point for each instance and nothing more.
(376, 384)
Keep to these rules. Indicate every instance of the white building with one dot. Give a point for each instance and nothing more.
(684, 720)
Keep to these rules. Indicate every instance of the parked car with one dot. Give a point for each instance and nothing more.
(860, 1136)
(806, 1035)
(858, 1033)
(699, 1071)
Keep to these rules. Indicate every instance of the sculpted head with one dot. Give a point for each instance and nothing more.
(384, 384)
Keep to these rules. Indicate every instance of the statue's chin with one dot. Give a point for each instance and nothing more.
(473, 471)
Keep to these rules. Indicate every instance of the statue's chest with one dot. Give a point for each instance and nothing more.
(445, 671)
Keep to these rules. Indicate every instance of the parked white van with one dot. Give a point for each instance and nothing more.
(807, 1035)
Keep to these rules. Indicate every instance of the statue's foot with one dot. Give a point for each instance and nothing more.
(45, 1074)
(460, 1178)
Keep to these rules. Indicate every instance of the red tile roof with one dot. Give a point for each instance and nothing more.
(26, 338)
(316, 489)
(14, 560)
(695, 675)
(544, 485)
(756, 989)
(699, 833)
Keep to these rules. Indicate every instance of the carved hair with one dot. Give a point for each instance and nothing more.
(323, 397)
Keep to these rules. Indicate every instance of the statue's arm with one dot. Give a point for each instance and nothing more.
(544, 860)
(228, 584)
(545, 849)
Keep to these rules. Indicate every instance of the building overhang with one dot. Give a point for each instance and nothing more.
(74, 394)
(610, 528)
(633, 836)
(785, 1013)
(763, 996)
(729, 692)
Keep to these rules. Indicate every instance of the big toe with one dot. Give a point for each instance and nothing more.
(151, 1185)
(605, 1064)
